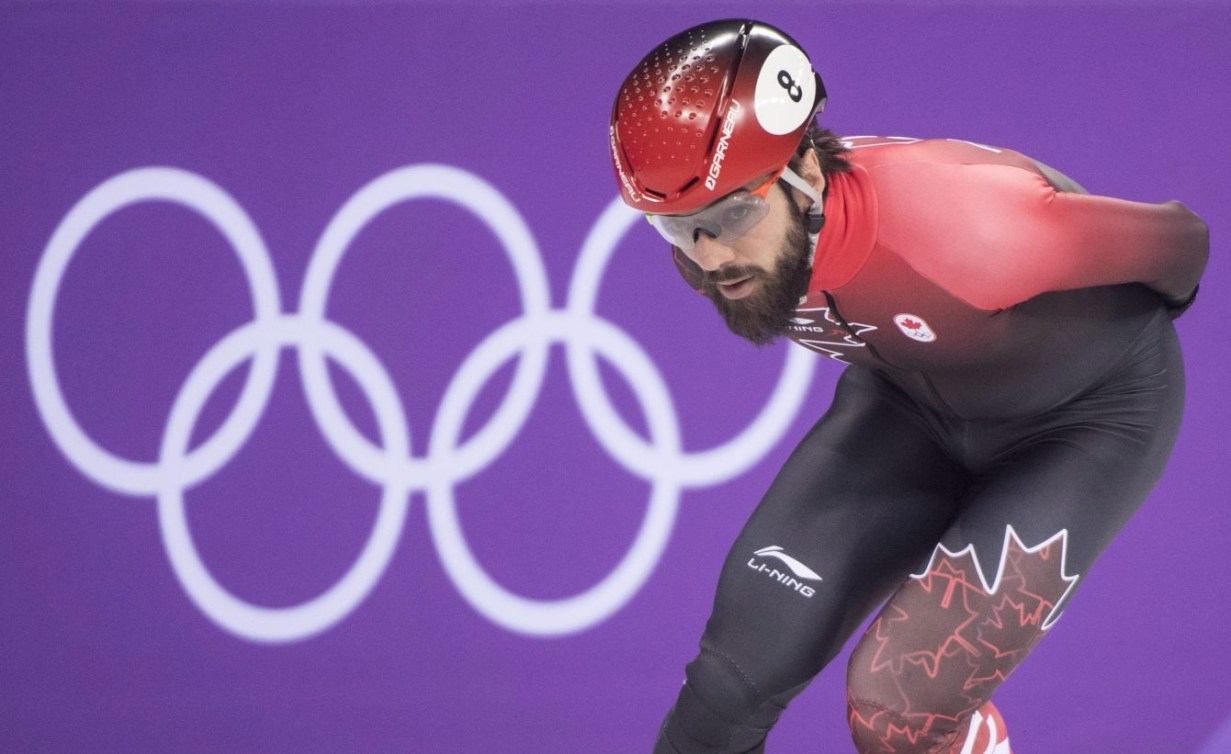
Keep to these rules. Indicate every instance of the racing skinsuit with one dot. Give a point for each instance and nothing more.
(1014, 389)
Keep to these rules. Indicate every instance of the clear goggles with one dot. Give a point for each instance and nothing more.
(730, 217)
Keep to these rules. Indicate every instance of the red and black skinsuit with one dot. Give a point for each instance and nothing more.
(1014, 391)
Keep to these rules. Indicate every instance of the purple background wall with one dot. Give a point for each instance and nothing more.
(288, 111)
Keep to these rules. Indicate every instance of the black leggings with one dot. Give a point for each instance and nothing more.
(976, 533)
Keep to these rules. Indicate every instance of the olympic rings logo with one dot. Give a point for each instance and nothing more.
(391, 464)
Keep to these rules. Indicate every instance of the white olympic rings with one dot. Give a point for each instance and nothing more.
(392, 465)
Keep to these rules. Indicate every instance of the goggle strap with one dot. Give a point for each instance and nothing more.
(798, 182)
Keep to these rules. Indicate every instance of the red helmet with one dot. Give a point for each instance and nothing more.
(708, 111)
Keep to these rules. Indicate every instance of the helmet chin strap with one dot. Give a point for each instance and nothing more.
(814, 222)
(815, 214)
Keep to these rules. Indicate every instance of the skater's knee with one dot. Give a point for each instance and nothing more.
(720, 709)
(879, 711)
(878, 729)
(719, 695)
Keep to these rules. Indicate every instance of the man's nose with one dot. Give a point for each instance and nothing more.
(709, 253)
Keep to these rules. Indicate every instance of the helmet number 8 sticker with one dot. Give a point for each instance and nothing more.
(793, 90)
(786, 91)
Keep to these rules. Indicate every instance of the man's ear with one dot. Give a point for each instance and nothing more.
(810, 170)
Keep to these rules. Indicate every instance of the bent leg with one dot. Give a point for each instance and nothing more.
(1033, 523)
(861, 501)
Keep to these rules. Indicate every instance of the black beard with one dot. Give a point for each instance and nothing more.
(765, 315)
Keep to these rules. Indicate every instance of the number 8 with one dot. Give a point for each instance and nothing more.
(793, 90)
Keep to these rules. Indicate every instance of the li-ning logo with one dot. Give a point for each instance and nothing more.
(728, 127)
(815, 328)
(448, 457)
(799, 570)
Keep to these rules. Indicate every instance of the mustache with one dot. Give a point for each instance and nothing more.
(726, 274)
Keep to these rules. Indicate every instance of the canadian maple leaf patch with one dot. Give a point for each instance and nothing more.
(915, 327)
